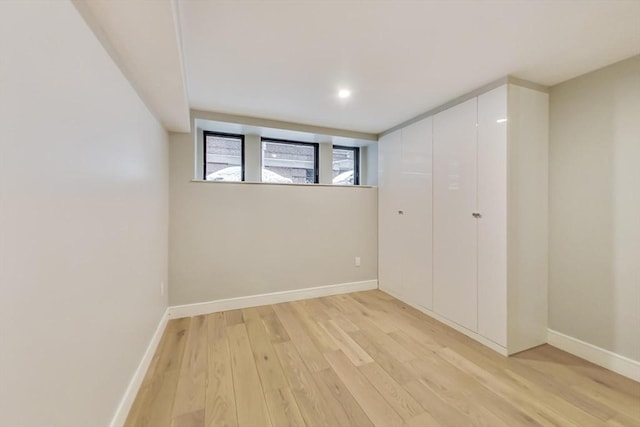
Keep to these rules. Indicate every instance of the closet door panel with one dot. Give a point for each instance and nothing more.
(389, 221)
(417, 273)
(454, 227)
(492, 204)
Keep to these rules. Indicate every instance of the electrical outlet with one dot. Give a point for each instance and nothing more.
(357, 262)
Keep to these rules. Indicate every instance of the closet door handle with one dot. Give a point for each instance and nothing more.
(476, 215)
(400, 212)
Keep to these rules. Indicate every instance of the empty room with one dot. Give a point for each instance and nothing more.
(319, 213)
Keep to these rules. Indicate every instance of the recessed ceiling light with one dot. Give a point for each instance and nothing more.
(344, 93)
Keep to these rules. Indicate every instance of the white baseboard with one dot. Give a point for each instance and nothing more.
(130, 394)
(607, 359)
(178, 311)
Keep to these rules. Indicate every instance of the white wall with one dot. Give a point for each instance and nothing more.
(83, 221)
(595, 208)
(239, 239)
(369, 165)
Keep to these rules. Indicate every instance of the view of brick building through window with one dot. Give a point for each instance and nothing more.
(223, 157)
(292, 161)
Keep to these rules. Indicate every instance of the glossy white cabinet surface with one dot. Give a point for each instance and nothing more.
(389, 234)
(528, 198)
(492, 205)
(454, 226)
(416, 202)
(471, 246)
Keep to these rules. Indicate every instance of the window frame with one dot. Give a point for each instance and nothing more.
(356, 161)
(206, 133)
(316, 155)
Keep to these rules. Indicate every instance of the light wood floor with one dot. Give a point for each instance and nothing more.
(365, 359)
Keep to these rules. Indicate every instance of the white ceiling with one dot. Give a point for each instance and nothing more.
(143, 39)
(285, 60)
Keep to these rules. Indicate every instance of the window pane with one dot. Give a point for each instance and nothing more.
(223, 156)
(288, 162)
(345, 166)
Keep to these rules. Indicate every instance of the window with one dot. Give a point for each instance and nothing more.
(289, 161)
(346, 165)
(223, 157)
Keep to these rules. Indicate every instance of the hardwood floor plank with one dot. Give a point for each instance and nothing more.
(458, 389)
(251, 313)
(576, 414)
(385, 342)
(300, 338)
(478, 391)
(336, 315)
(436, 342)
(581, 368)
(250, 401)
(283, 408)
(382, 320)
(627, 411)
(341, 303)
(233, 317)
(508, 391)
(352, 309)
(392, 366)
(425, 419)
(311, 402)
(220, 400)
(588, 391)
(314, 308)
(405, 405)
(351, 413)
(438, 408)
(155, 410)
(269, 368)
(376, 407)
(472, 389)
(320, 336)
(277, 333)
(344, 342)
(189, 419)
(188, 408)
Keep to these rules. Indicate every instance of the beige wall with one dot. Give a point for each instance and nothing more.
(237, 239)
(595, 208)
(83, 221)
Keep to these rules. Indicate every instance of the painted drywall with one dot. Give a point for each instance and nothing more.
(238, 239)
(369, 164)
(595, 208)
(83, 221)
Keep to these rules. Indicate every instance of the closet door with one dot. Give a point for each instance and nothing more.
(454, 226)
(492, 205)
(417, 280)
(389, 220)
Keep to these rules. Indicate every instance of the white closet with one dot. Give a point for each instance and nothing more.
(405, 209)
(455, 195)
(485, 269)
